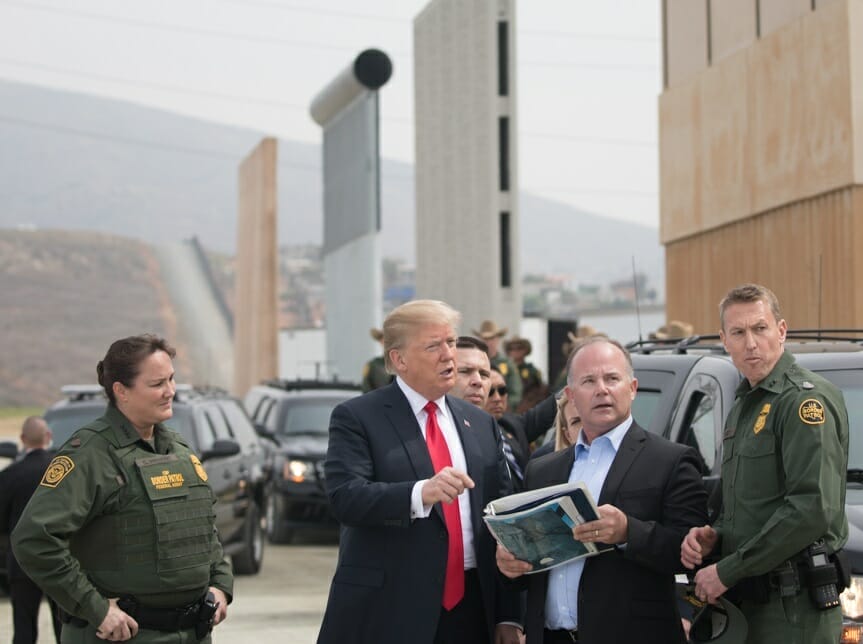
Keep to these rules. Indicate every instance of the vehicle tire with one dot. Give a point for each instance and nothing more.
(276, 530)
(248, 560)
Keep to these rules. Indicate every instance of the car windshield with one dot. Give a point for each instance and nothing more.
(852, 389)
(309, 417)
(65, 421)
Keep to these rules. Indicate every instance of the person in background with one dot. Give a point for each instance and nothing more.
(17, 484)
(490, 333)
(533, 389)
(374, 371)
(567, 424)
(120, 531)
(473, 371)
(649, 493)
(785, 455)
(409, 470)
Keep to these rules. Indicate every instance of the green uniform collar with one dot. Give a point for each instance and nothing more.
(773, 381)
(125, 434)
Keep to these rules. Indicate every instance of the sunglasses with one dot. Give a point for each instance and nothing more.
(501, 391)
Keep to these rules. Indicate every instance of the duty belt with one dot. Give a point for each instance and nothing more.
(162, 619)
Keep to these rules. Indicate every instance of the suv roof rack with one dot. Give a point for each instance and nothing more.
(711, 343)
(298, 384)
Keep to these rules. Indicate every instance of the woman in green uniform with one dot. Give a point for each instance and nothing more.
(120, 531)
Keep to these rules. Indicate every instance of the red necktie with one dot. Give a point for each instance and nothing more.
(453, 588)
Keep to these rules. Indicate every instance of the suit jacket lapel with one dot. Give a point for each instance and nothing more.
(400, 415)
(630, 446)
(471, 448)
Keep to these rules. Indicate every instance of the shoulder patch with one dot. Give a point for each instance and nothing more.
(199, 469)
(811, 412)
(57, 470)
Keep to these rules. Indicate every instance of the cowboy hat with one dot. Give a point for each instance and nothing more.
(488, 329)
(516, 342)
(376, 334)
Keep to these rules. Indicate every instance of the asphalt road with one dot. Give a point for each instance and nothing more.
(283, 603)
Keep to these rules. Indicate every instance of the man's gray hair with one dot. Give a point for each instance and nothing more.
(596, 339)
(745, 294)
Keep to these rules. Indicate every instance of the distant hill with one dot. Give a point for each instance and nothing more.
(71, 161)
(64, 297)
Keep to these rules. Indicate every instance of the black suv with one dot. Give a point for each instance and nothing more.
(686, 390)
(215, 425)
(295, 414)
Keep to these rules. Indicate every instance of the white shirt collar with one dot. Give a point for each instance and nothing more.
(416, 400)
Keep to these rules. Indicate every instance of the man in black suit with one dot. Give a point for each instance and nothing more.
(649, 492)
(17, 484)
(409, 470)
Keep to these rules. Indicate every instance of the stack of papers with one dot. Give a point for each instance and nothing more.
(536, 526)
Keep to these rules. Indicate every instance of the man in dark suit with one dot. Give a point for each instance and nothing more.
(409, 470)
(649, 492)
(17, 484)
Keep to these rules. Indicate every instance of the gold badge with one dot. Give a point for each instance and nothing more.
(811, 412)
(199, 469)
(503, 368)
(57, 471)
(762, 418)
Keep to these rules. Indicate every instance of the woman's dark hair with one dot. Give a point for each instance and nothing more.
(124, 357)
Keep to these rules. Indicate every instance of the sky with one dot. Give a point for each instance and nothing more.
(589, 76)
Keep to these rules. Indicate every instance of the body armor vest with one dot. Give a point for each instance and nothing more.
(155, 538)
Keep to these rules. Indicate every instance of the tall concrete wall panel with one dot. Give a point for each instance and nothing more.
(775, 14)
(685, 39)
(807, 252)
(353, 305)
(256, 325)
(763, 127)
(733, 26)
(459, 195)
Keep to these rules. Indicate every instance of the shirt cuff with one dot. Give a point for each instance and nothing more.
(418, 510)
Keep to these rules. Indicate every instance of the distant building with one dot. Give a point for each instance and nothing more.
(466, 170)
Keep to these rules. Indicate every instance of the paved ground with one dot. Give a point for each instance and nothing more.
(283, 603)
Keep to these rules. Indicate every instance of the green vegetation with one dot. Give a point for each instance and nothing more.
(20, 412)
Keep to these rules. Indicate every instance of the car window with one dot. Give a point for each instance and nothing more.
(239, 423)
(850, 381)
(644, 406)
(181, 422)
(309, 416)
(65, 421)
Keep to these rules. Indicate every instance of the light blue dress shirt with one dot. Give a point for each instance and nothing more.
(591, 466)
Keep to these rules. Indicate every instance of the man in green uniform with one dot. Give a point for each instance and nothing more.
(492, 334)
(374, 371)
(785, 454)
(120, 530)
(533, 389)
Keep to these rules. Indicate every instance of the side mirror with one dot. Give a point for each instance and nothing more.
(221, 448)
(9, 450)
(263, 432)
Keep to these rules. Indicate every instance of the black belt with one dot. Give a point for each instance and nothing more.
(162, 619)
(559, 636)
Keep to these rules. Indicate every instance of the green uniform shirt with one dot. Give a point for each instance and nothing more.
(513, 381)
(375, 374)
(785, 455)
(73, 510)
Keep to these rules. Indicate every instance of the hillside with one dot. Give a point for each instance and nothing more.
(71, 161)
(65, 297)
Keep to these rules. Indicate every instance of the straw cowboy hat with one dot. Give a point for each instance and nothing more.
(583, 331)
(516, 342)
(673, 330)
(488, 329)
(376, 334)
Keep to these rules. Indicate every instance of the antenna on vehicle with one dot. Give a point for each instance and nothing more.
(637, 309)
(820, 294)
